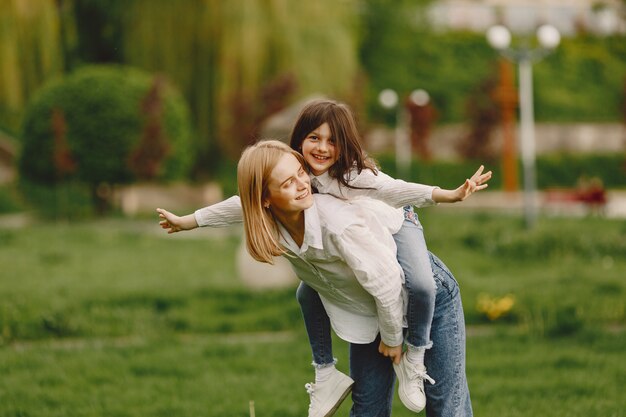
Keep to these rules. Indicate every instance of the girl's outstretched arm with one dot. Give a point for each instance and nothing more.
(396, 192)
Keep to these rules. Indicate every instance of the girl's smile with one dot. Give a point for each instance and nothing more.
(319, 150)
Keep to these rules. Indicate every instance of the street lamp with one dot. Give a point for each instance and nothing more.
(499, 37)
(388, 98)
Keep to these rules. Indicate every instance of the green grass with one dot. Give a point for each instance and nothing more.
(116, 318)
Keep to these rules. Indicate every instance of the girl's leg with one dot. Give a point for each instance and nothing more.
(449, 396)
(317, 325)
(420, 287)
(413, 257)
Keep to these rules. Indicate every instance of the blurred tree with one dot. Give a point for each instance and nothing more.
(30, 54)
(227, 55)
(88, 126)
(99, 27)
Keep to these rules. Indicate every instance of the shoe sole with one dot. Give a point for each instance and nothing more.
(339, 401)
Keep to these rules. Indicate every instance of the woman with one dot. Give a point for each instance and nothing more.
(347, 255)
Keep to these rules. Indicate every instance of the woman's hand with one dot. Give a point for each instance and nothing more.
(392, 352)
(477, 182)
(173, 223)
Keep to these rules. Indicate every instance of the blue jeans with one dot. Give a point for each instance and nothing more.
(412, 256)
(445, 361)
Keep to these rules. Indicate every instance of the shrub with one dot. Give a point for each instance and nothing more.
(102, 124)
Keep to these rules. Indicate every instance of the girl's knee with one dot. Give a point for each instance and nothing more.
(424, 289)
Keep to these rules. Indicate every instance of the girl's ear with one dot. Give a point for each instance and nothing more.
(266, 204)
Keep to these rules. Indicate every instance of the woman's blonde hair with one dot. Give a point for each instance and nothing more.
(253, 173)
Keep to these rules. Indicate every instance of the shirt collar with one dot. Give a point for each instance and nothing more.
(321, 181)
(312, 232)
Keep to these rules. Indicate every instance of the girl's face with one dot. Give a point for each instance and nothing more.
(319, 150)
(289, 187)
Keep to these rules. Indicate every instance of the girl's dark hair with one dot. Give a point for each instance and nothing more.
(343, 131)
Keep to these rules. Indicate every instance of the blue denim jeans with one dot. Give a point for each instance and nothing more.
(445, 361)
(412, 256)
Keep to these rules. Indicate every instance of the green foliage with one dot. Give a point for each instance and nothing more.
(566, 170)
(31, 53)
(10, 199)
(226, 54)
(97, 125)
(67, 200)
(583, 80)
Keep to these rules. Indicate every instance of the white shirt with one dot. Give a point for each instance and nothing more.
(349, 258)
(396, 193)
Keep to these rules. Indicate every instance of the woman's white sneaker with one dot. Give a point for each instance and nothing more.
(327, 396)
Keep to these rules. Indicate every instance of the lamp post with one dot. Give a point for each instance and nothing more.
(388, 98)
(549, 38)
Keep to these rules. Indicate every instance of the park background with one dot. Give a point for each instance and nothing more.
(109, 108)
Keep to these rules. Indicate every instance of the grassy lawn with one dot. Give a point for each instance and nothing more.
(115, 318)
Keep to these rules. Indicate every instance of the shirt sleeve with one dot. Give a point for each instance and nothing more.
(377, 270)
(224, 213)
(395, 192)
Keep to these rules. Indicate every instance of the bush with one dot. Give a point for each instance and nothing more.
(10, 201)
(88, 126)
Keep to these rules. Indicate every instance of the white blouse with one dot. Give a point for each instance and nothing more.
(349, 257)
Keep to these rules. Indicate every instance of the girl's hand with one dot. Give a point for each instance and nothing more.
(470, 186)
(477, 182)
(173, 223)
(392, 352)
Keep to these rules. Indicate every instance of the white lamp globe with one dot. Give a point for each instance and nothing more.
(420, 97)
(549, 37)
(388, 98)
(499, 37)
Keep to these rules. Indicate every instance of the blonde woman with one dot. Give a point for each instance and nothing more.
(346, 253)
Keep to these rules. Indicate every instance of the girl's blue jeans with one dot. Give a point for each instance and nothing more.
(373, 373)
(412, 256)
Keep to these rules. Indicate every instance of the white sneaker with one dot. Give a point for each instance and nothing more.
(411, 384)
(327, 396)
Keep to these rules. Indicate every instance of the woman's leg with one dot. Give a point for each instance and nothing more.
(449, 396)
(413, 257)
(372, 392)
(317, 325)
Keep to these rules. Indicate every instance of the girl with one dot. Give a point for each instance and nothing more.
(327, 137)
(346, 253)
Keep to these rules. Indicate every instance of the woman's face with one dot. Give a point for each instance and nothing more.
(289, 187)
(319, 150)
